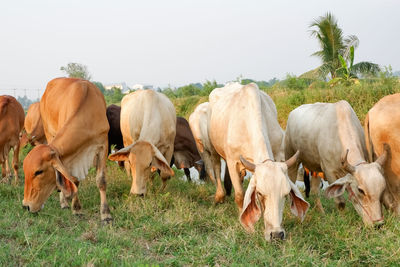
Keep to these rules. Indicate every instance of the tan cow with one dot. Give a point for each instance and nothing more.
(11, 123)
(148, 126)
(382, 133)
(244, 130)
(331, 139)
(73, 113)
(198, 121)
(34, 132)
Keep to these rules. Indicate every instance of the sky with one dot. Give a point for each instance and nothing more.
(178, 42)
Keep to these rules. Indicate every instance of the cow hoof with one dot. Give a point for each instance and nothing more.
(64, 206)
(341, 205)
(107, 221)
(77, 213)
(219, 200)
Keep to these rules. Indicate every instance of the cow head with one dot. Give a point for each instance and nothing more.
(270, 184)
(44, 172)
(365, 185)
(143, 158)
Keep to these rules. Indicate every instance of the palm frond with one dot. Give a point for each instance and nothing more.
(350, 41)
(365, 68)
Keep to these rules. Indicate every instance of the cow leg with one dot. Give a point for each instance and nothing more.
(8, 171)
(3, 172)
(165, 177)
(101, 182)
(331, 177)
(127, 168)
(76, 204)
(227, 182)
(15, 161)
(220, 192)
(208, 165)
(63, 201)
(315, 190)
(187, 173)
(237, 184)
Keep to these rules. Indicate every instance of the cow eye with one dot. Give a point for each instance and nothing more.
(38, 172)
(361, 191)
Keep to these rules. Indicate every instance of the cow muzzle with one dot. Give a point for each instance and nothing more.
(277, 235)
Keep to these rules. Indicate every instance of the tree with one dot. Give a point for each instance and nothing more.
(349, 73)
(76, 70)
(332, 43)
(100, 86)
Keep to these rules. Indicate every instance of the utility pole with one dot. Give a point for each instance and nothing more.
(25, 92)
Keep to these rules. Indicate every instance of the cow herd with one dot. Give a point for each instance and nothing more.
(72, 130)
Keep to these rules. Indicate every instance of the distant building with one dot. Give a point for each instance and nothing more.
(142, 86)
(122, 86)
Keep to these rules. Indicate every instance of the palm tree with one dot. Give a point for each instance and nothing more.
(333, 44)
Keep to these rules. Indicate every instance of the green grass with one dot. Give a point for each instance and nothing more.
(181, 226)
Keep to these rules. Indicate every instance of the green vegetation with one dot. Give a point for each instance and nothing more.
(334, 45)
(76, 70)
(181, 226)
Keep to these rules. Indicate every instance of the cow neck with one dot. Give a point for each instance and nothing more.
(260, 139)
(349, 136)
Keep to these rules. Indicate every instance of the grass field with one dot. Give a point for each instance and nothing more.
(182, 226)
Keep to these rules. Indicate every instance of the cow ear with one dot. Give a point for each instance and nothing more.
(298, 206)
(122, 154)
(160, 162)
(251, 211)
(66, 186)
(338, 187)
(64, 181)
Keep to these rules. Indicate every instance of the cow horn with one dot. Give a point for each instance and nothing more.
(382, 158)
(293, 159)
(247, 164)
(346, 165)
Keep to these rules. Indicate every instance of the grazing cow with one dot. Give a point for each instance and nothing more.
(114, 134)
(331, 139)
(382, 127)
(244, 131)
(198, 121)
(34, 132)
(185, 151)
(148, 126)
(73, 113)
(11, 123)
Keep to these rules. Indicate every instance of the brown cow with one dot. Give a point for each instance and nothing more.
(74, 118)
(34, 132)
(11, 123)
(382, 127)
(185, 150)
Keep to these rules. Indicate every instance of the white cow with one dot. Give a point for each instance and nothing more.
(244, 130)
(331, 139)
(198, 122)
(148, 127)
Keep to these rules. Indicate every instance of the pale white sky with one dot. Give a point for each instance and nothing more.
(180, 42)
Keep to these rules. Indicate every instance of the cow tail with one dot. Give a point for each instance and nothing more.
(368, 142)
(3, 106)
(306, 179)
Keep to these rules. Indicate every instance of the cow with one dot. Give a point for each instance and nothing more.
(113, 113)
(73, 113)
(34, 132)
(244, 131)
(185, 150)
(148, 126)
(331, 139)
(11, 123)
(199, 125)
(382, 127)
